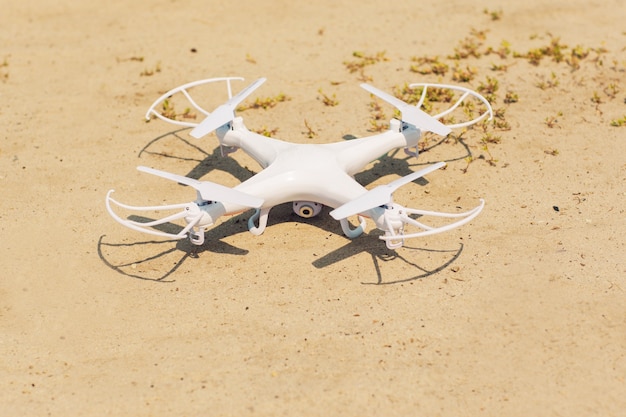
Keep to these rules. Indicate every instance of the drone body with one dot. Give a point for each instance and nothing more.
(308, 175)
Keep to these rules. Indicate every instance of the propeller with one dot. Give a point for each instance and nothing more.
(209, 191)
(380, 195)
(224, 113)
(411, 114)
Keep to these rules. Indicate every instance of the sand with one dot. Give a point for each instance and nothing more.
(519, 313)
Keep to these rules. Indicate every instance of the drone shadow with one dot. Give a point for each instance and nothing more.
(205, 161)
(381, 255)
(158, 260)
(107, 251)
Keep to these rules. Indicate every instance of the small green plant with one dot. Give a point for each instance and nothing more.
(596, 98)
(428, 65)
(499, 122)
(328, 101)
(4, 73)
(493, 14)
(149, 72)
(499, 67)
(551, 83)
(619, 122)
(503, 51)
(168, 111)
(464, 75)
(265, 103)
(132, 58)
(438, 95)
(577, 54)
(534, 56)
(407, 94)
(511, 97)
(554, 49)
(266, 131)
(310, 133)
(580, 52)
(469, 47)
(362, 60)
(469, 109)
(491, 138)
(468, 160)
(485, 141)
(611, 90)
(378, 120)
(480, 35)
(552, 121)
(489, 88)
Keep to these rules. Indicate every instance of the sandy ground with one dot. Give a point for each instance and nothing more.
(520, 313)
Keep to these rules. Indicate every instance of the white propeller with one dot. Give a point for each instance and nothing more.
(224, 113)
(411, 114)
(209, 191)
(380, 195)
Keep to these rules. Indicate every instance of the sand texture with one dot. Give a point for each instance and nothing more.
(522, 312)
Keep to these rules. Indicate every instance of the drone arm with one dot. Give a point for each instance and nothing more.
(357, 153)
(262, 149)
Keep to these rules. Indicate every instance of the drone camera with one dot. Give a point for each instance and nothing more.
(307, 209)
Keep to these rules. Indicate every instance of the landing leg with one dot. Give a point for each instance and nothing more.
(261, 215)
(353, 233)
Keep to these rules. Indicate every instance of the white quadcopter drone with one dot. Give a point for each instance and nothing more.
(308, 175)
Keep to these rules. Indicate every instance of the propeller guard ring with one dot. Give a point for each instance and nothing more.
(396, 217)
(191, 213)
